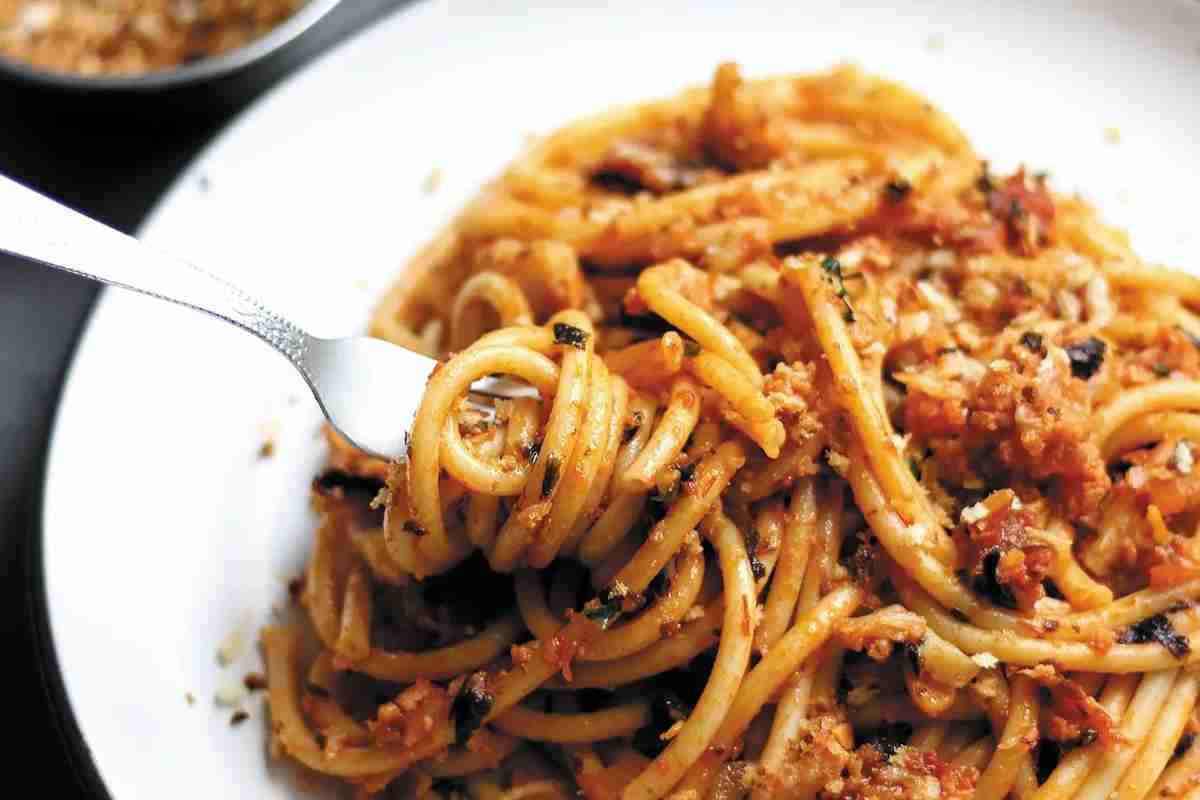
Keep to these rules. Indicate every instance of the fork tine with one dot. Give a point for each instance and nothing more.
(500, 388)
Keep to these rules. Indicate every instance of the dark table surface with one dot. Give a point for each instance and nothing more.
(111, 161)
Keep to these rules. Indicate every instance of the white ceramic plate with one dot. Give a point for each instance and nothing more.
(164, 530)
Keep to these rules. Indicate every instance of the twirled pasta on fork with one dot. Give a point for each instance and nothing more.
(855, 470)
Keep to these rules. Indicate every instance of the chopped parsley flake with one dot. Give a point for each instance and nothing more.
(897, 189)
(1086, 357)
(1034, 342)
(570, 335)
(550, 478)
(1158, 628)
(833, 271)
(470, 707)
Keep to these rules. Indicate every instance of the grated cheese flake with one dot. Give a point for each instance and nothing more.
(231, 693)
(985, 660)
(838, 461)
(972, 514)
(232, 646)
(1182, 459)
(916, 534)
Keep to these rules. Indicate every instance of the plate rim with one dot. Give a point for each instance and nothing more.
(66, 722)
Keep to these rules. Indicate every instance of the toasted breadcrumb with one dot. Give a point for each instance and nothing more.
(1073, 715)
(132, 37)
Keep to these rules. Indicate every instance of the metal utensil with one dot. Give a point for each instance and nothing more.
(368, 389)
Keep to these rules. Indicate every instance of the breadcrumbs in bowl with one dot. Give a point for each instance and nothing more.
(130, 38)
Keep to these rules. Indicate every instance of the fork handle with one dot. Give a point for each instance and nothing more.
(35, 228)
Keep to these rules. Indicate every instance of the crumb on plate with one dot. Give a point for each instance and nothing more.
(433, 180)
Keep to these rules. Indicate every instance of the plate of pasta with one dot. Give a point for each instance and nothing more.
(860, 459)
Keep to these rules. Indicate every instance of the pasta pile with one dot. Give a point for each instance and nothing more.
(855, 471)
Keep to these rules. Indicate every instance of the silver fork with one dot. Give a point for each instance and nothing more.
(368, 389)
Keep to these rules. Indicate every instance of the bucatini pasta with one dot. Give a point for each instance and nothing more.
(855, 470)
